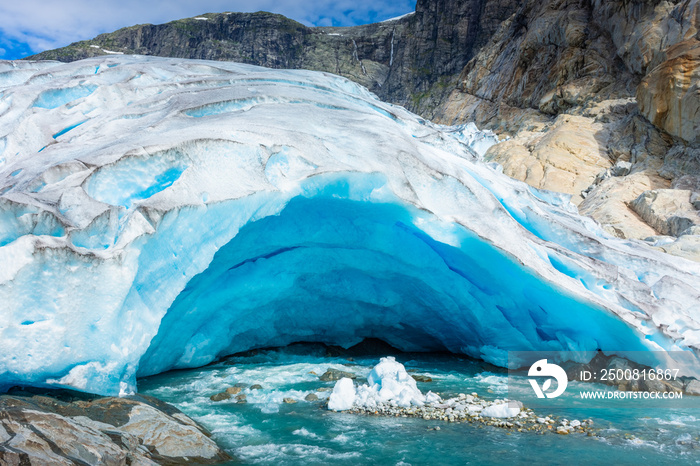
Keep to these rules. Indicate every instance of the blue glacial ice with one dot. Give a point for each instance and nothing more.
(205, 208)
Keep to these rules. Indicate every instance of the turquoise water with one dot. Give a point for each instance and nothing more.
(265, 430)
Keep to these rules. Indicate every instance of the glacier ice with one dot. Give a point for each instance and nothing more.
(343, 396)
(158, 213)
(388, 382)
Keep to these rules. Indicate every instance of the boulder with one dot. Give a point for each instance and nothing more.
(668, 211)
(331, 375)
(65, 427)
(220, 396)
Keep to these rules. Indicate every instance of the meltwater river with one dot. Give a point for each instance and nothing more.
(266, 430)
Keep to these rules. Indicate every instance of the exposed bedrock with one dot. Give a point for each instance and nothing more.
(669, 95)
(63, 427)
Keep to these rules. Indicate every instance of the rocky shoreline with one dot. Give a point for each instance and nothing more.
(65, 427)
(472, 409)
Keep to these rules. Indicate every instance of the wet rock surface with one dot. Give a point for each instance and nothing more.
(335, 374)
(64, 427)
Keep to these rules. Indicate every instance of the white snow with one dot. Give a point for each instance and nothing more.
(164, 212)
(396, 18)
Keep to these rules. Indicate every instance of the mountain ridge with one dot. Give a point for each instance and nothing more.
(580, 88)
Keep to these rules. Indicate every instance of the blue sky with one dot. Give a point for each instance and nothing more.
(31, 26)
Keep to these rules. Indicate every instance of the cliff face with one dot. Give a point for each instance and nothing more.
(413, 61)
(599, 97)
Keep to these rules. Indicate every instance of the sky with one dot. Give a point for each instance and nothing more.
(32, 26)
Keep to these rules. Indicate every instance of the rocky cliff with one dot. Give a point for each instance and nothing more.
(599, 99)
(414, 60)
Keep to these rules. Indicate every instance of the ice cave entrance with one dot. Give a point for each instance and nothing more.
(337, 271)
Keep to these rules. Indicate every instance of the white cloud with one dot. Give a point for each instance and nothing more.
(44, 24)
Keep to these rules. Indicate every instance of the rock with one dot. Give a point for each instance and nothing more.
(235, 390)
(311, 397)
(660, 385)
(402, 60)
(241, 385)
(75, 427)
(693, 387)
(668, 211)
(691, 231)
(621, 168)
(169, 437)
(695, 200)
(687, 246)
(609, 203)
(256, 387)
(289, 400)
(566, 159)
(220, 396)
(688, 182)
(668, 96)
(421, 378)
(324, 389)
(241, 398)
(331, 375)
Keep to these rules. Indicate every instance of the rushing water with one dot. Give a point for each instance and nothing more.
(266, 430)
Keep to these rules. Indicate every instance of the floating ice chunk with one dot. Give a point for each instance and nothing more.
(343, 396)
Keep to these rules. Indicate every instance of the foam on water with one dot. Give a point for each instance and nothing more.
(304, 433)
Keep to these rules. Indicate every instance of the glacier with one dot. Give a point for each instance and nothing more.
(160, 213)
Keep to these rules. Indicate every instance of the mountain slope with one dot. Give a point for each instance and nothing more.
(562, 78)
